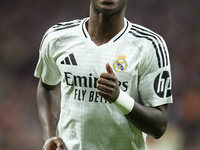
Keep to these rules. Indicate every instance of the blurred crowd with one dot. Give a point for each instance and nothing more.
(22, 25)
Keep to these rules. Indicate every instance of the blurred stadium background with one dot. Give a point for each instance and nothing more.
(22, 25)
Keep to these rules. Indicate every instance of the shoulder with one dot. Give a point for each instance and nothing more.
(60, 29)
(142, 33)
(63, 26)
(152, 45)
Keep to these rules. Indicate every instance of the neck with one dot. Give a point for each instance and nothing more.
(103, 28)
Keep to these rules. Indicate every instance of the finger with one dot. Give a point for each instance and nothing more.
(108, 77)
(107, 82)
(109, 69)
(59, 144)
(60, 147)
(49, 144)
(105, 94)
(104, 88)
(54, 143)
(109, 94)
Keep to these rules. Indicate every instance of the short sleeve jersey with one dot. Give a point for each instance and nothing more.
(140, 60)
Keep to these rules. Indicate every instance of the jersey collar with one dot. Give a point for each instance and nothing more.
(114, 39)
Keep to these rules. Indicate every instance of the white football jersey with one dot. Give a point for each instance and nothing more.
(140, 61)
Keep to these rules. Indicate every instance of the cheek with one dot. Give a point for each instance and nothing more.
(95, 4)
(123, 3)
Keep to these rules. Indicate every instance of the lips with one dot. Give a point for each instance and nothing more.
(108, 1)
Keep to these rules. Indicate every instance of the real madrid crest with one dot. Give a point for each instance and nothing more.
(120, 64)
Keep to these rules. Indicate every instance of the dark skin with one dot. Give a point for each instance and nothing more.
(106, 20)
(151, 120)
(48, 99)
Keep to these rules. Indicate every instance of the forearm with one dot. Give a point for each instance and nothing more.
(152, 121)
(48, 109)
(49, 124)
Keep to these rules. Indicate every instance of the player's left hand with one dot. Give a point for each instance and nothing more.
(108, 85)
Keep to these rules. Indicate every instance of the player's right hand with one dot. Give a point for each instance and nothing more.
(54, 143)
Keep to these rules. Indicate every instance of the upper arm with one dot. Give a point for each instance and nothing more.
(48, 87)
(49, 97)
(164, 109)
(48, 92)
(155, 79)
(47, 69)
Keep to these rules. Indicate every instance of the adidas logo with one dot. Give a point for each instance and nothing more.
(69, 60)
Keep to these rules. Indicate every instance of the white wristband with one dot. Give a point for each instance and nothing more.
(124, 102)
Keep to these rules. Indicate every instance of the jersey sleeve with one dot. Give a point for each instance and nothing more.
(155, 80)
(47, 69)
